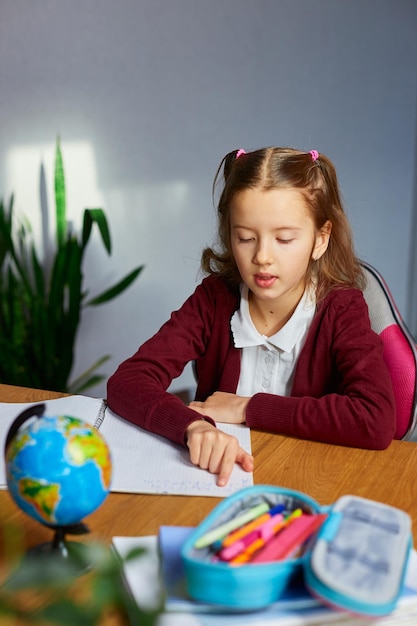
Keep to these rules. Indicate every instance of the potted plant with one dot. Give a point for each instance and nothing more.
(41, 300)
(44, 590)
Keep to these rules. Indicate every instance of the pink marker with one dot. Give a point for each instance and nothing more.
(263, 532)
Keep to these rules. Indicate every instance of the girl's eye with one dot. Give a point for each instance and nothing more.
(284, 241)
(245, 239)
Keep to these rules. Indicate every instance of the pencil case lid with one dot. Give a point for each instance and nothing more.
(359, 557)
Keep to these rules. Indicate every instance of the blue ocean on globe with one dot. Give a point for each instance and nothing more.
(58, 469)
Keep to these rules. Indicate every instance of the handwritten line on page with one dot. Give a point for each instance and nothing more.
(142, 462)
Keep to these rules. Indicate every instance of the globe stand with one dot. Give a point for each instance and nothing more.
(71, 555)
(56, 561)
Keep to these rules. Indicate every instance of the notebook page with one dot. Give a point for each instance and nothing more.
(147, 463)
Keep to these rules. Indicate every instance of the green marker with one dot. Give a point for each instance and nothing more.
(226, 528)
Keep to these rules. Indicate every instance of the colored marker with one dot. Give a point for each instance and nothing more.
(247, 528)
(265, 530)
(268, 531)
(224, 529)
(286, 542)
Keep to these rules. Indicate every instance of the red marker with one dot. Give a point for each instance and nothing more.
(289, 539)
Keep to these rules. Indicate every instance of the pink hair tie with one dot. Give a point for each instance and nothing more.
(314, 154)
(240, 152)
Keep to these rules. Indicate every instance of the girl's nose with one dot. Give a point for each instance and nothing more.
(263, 253)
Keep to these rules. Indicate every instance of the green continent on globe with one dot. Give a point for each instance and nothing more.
(91, 447)
(44, 498)
(19, 443)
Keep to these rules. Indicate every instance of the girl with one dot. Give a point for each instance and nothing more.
(278, 330)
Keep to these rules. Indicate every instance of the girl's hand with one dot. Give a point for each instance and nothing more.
(223, 407)
(215, 451)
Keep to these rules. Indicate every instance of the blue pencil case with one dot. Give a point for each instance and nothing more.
(356, 560)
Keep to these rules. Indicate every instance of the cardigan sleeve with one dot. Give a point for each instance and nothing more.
(342, 391)
(137, 391)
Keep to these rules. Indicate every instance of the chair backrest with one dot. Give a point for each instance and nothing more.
(400, 353)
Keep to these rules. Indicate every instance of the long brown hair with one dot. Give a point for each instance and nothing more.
(271, 168)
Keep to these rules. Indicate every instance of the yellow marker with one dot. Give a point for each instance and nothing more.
(247, 528)
(245, 556)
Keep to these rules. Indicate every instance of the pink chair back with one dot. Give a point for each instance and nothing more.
(400, 353)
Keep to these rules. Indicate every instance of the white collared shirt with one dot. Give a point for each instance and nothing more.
(268, 363)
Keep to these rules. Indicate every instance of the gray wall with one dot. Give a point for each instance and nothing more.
(148, 95)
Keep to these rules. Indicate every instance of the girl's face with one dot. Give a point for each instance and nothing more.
(273, 239)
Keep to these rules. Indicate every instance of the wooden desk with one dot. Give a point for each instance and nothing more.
(323, 471)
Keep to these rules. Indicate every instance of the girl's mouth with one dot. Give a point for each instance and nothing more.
(264, 280)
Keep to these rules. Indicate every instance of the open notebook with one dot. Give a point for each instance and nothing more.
(142, 462)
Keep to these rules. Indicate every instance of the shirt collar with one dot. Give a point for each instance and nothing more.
(245, 334)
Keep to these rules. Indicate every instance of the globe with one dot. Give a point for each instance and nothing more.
(58, 469)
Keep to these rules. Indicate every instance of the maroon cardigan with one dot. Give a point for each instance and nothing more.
(342, 391)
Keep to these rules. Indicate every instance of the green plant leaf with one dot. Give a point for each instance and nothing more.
(6, 241)
(86, 379)
(66, 612)
(38, 274)
(116, 289)
(64, 307)
(73, 281)
(98, 217)
(133, 554)
(60, 196)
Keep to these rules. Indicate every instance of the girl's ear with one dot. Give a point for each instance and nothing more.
(322, 241)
